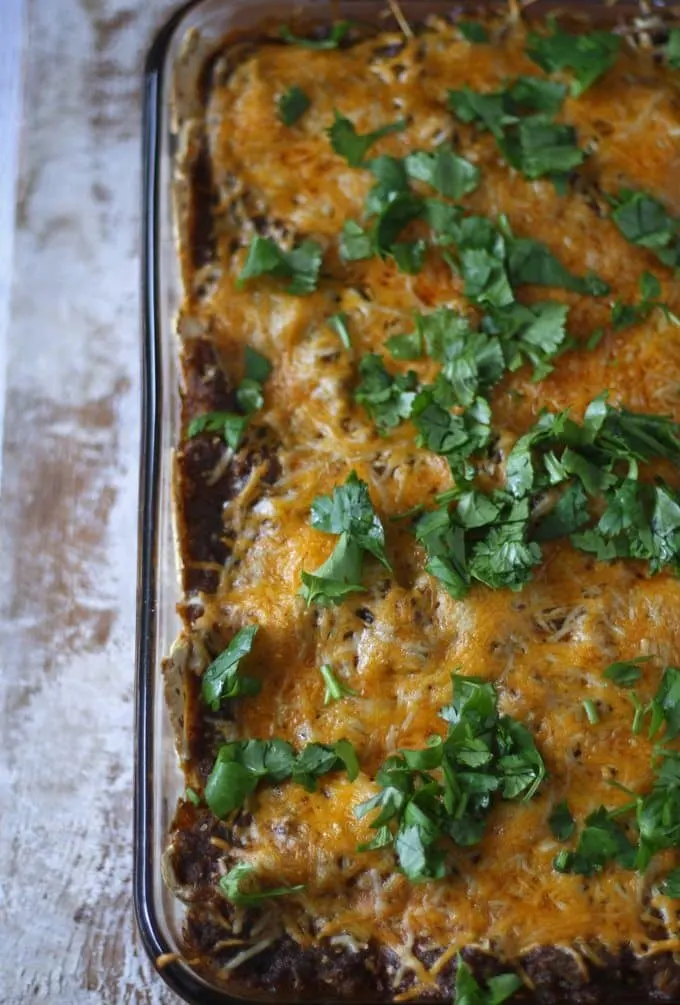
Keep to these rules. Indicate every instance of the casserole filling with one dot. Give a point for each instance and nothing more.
(429, 504)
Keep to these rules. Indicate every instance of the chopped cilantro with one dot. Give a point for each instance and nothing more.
(355, 242)
(221, 679)
(192, 796)
(645, 221)
(230, 885)
(561, 821)
(292, 105)
(601, 841)
(483, 755)
(335, 689)
(590, 708)
(353, 146)
(348, 512)
(588, 56)
(445, 171)
(338, 322)
(468, 992)
(387, 399)
(473, 31)
(530, 261)
(520, 120)
(229, 425)
(241, 765)
(673, 48)
(626, 672)
(301, 265)
(335, 36)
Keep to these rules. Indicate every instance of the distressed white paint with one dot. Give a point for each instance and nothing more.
(68, 534)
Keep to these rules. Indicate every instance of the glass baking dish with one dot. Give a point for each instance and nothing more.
(159, 781)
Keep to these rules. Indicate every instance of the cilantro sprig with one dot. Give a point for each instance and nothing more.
(353, 146)
(301, 265)
(242, 765)
(588, 56)
(520, 118)
(348, 513)
(444, 793)
(335, 690)
(292, 105)
(338, 32)
(231, 426)
(645, 221)
(230, 885)
(222, 679)
(493, 537)
(469, 992)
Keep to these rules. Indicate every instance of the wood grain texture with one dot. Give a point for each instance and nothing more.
(68, 535)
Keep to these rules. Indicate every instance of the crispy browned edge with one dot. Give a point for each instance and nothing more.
(285, 969)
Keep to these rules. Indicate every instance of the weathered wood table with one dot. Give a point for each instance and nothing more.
(70, 457)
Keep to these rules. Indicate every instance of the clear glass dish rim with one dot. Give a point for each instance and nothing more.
(158, 397)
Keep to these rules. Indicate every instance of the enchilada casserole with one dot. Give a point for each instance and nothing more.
(427, 693)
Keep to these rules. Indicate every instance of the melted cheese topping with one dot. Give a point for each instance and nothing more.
(545, 647)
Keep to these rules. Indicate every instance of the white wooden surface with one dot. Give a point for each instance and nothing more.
(69, 506)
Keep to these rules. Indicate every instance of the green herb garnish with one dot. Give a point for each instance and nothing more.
(335, 689)
(468, 992)
(292, 105)
(241, 766)
(337, 33)
(230, 885)
(348, 512)
(301, 265)
(587, 56)
(222, 680)
(354, 146)
(445, 792)
(645, 221)
(561, 822)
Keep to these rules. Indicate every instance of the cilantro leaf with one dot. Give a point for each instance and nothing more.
(403, 347)
(230, 885)
(221, 680)
(645, 221)
(588, 56)
(240, 766)
(530, 261)
(257, 366)
(673, 48)
(625, 673)
(301, 265)
(353, 146)
(229, 425)
(349, 510)
(602, 840)
(561, 821)
(335, 690)
(337, 33)
(473, 31)
(338, 576)
(445, 791)
(445, 171)
(457, 437)
(338, 322)
(505, 558)
(536, 333)
(292, 105)
(356, 243)
(387, 399)
(469, 992)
